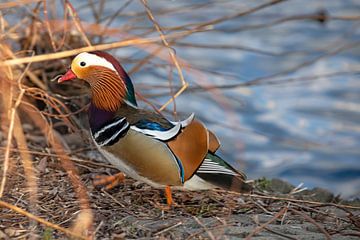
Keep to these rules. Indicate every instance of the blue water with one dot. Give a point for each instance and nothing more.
(304, 131)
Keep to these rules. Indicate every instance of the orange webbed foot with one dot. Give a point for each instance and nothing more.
(109, 181)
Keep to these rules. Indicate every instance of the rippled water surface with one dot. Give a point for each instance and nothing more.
(285, 124)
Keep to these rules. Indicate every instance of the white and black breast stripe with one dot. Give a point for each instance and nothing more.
(209, 166)
(111, 132)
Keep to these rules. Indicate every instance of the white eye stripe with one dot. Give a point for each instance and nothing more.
(93, 60)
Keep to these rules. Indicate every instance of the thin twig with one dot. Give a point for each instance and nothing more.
(17, 3)
(40, 220)
(77, 22)
(259, 228)
(11, 129)
(99, 47)
(321, 228)
(294, 200)
(168, 228)
(280, 234)
(184, 83)
(212, 237)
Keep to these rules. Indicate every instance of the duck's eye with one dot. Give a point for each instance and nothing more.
(83, 64)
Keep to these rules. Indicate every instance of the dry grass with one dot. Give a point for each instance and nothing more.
(46, 188)
(134, 210)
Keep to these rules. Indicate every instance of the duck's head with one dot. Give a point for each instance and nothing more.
(110, 84)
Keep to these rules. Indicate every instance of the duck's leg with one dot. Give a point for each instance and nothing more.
(109, 181)
(168, 195)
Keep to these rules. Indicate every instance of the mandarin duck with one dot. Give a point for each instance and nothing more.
(143, 144)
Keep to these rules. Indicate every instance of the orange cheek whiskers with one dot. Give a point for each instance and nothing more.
(108, 90)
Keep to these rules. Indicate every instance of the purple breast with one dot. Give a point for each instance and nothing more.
(98, 117)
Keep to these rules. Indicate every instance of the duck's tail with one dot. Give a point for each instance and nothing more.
(216, 171)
